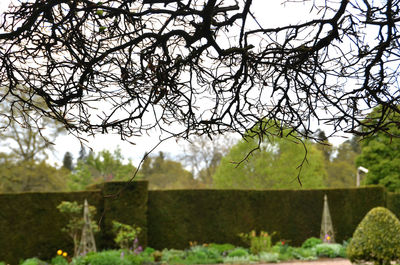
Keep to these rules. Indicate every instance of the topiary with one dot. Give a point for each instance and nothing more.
(376, 238)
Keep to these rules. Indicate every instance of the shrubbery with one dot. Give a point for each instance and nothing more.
(199, 254)
(376, 238)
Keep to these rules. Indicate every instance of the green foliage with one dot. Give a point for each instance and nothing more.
(114, 257)
(328, 250)
(59, 260)
(342, 169)
(238, 252)
(221, 248)
(126, 235)
(21, 176)
(311, 242)
(257, 243)
(304, 253)
(213, 215)
(376, 238)
(163, 173)
(268, 257)
(97, 168)
(74, 213)
(68, 161)
(274, 165)
(33, 261)
(380, 153)
(241, 260)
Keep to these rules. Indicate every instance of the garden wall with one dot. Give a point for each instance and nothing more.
(30, 224)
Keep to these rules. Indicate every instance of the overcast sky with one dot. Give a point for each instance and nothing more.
(270, 13)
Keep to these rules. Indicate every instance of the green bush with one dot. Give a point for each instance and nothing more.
(59, 260)
(241, 260)
(108, 257)
(268, 257)
(223, 249)
(257, 243)
(326, 250)
(33, 261)
(376, 238)
(238, 252)
(304, 253)
(311, 242)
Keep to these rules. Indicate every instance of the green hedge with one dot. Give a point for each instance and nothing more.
(393, 203)
(176, 217)
(126, 203)
(30, 224)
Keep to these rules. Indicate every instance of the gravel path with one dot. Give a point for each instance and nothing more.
(337, 261)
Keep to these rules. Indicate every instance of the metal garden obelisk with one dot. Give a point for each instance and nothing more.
(327, 234)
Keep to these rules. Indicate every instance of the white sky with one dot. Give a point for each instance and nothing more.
(270, 13)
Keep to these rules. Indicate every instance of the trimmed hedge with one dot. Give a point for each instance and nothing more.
(393, 203)
(30, 224)
(126, 203)
(176, 217)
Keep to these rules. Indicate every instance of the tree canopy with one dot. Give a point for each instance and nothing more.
(275, 164)
(380, 153)
(206, 66)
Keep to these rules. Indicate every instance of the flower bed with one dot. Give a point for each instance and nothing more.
(212, 253)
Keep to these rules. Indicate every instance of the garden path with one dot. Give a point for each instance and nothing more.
(337, 261)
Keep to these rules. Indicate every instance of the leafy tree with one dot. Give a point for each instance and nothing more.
(101, 167)
(275, 164)
(208, 66)
(163, 173)
(21, 176)
(380, 153)
(342, 169)
(203, 155)
(68, 161)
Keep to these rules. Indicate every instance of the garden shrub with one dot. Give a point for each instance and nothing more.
(241, 260)
(257, 243)
(223, 249)
(268, 257)
(376, 238)
(114, 257)
(33, 261)
(311, 242)
(59, 260)
(328, 250)
(304, 253)
(126, 235)
(238, 252)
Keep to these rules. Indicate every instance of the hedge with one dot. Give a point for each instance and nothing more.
(176, 217)
(30, 224)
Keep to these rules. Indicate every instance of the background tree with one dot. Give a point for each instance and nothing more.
(203, 156)
(68, 162)
(274, 165)
(21, 176)
(207, 66)
(342, 169)
(101, 167)
(28, 136)
(163, 173)
(380, 153)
